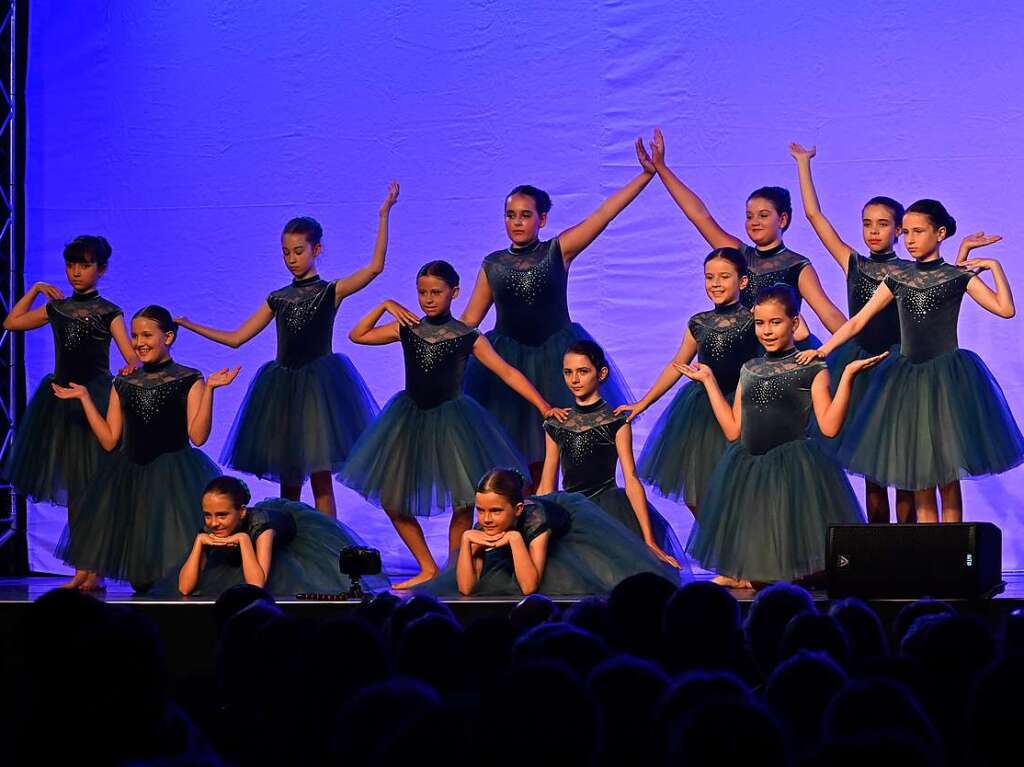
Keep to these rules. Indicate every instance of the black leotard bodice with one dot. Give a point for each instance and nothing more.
(304, 313)
(529, 289)
(776, 403)
(81, 337)
(586, 441)
(863, 276)
(154, 405)
(725, 340)
(436, 351)
(766, 267)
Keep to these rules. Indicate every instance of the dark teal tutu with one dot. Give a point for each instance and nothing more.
(542, 365)
(308, 563)
(296, 422)
(134, 520)
(55, 453)
(423, 462)
(615, 503)
(593, 557)
(932, 423)
(684, 447)
(765, 517)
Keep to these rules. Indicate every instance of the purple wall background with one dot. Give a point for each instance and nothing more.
(188, 133)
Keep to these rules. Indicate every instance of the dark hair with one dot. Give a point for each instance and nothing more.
(778, 196)
(508, 483)
(936, 213)
(232, 487)
(590, 350)
(781, 293)
(441, 269)
(894, 207)
(732, 255)
(159, 315)
(541, 199)
(307, 226)
(88, 249)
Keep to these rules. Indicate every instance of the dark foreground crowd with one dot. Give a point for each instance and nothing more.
(653, 674)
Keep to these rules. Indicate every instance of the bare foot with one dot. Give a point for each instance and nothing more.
(92, 582)
(77, 581)
(731, 583)
(416, 580)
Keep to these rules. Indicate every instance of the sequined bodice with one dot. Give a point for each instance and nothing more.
(304, 312)
(154, 404)
(766, 267)
(863, 276)
(776, 402)
(586, 442)
(529, 289)
(435, 359)
(928, 296)
(725, 340)
(539, 516)
(81, 337)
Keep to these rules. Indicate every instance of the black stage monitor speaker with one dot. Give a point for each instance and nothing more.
(913, 561)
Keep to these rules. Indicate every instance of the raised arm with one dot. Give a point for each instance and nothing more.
(669, 375)
(200, 403)
(574, 240)
(512, 378)
(691, 205)
(833, 243)
(881, 298)
(479, 303)
(549, 473)
(831, 411)
(360, 278)
(23, 317)
(815, 296)
(124, 345)
(233, 338)
(1000, 300)
(728, 416)
(108, 429)
(635, 492)
(367, 333)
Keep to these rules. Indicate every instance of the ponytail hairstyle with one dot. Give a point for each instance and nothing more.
(442, 270)
(782, 294)
(508, 483)
(936, 213)
(888, 202)
(732, 255)
(161, 317)
(541, 199)
(778, 196)
(307, 226)
(231, 487)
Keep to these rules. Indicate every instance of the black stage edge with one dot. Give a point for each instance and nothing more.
(189, 635)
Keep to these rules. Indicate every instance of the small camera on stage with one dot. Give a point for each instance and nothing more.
(355, 562)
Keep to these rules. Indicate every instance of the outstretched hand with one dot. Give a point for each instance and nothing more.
(800, 153)
(222, 377)
(558, 413)
(972, 241)
(645, 159)
(658, 148)
(71, 391)
(695, 372)
(809, 355)
(391, 198)
(858, 366)
(634, 409)
(129, 368)
(662, 555)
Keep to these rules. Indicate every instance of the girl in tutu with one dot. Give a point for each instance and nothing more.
(305, 410)
(687, 442)
(590, 443)
(774, 493)
(526, 282)
(55, 452)
(881, 219)
(936, 414)
(769, 261)
(421, 455)
(283, 546)
(139, 511)
(559, 543)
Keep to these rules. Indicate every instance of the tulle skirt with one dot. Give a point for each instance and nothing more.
(55, 453)
(931, 423)
(765, 517)
(308, 563)
(542, 365)
(684, 447)
(594, 556)
(134, 521)
(296, 422)
(423, 462)
(615, 503)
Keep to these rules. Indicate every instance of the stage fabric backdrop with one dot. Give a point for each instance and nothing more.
(188, 133)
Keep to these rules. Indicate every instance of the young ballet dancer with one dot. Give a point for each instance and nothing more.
(769, 214)
(937, 414)
(774, 493)
(590, 443)
(139, 511)
(55, 453)
(686, 442)
(283, 546)
(560, 543)
(881, 220)
(421, 455)
(304, 410)
(526, 282)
